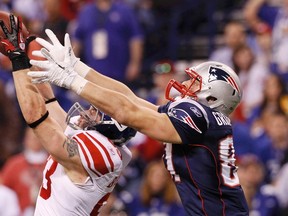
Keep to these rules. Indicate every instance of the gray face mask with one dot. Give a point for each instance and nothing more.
(85, 118)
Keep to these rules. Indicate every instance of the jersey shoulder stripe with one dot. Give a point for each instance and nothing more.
(95, 154)
(87, 161)
(105, 150)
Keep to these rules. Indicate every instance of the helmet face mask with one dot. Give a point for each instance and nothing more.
(190, 91)
(79, 118)
(83, 119)
(213, 84)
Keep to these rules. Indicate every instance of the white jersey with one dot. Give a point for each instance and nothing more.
(59, 196)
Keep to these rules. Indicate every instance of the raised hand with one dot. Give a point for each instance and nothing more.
(15, 44)
(54, 71)
(58, 73)
(14, 40)
(55, 48)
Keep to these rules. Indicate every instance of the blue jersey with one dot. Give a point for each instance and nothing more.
(106, 37)
(203, 166)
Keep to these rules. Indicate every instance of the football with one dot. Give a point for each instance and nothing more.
(5, 17)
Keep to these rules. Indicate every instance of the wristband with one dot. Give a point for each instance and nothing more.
(81, 68)
(19, 62)
(50, 100)
(78, 84)
(39, 121)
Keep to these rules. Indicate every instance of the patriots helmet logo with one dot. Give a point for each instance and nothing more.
(219, 74)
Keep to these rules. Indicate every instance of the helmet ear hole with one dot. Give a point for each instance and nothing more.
(211, 99)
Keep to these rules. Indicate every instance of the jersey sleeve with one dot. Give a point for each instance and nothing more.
(98, 155)
(126, 154)
(189, 119)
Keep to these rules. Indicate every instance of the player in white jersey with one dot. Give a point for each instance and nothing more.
(102, 160)
(84, 165)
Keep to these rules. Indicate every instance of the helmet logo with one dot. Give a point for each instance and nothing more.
(219, 74)
(119, 126)
(183, 116)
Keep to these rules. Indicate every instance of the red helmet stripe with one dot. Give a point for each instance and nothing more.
(233, 83)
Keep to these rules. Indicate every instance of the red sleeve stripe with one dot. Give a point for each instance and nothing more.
(86, 157)
(105, 150)
(97, 157)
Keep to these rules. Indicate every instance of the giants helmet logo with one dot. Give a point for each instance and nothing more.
(219, 74)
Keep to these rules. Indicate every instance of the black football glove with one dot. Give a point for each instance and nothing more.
(15, 45)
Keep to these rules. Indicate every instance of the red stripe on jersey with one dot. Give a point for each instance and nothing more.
(97, 157)
(86, 157)
(105, 150)
(101, 202)
(192, 124)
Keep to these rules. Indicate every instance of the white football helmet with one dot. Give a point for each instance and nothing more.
(218, 86)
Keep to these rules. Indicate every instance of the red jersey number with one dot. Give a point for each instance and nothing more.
(45, 191)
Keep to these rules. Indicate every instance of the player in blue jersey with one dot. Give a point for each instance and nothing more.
(194, 127)
(111, 33)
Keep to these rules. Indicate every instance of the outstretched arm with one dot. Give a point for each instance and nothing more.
(118, 106)
(123, 108)
(32, 104)
(127, 112)
(57, 50)
(49, 132)
(109, 83)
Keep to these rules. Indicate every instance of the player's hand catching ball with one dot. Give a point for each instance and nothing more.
(14, 43)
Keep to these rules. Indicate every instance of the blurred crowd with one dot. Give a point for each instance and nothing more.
(145, 43)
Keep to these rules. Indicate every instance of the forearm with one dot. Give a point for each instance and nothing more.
(111, 104)
(46, 91)
(48, 131)
(30, 101)
(54, 108)
(101, 80)
(109, 83)
(128, 113)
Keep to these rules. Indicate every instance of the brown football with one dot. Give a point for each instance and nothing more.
(5, 17)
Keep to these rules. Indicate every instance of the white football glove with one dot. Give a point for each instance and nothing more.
(55, 48)
(55, 72)
(58, 73)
